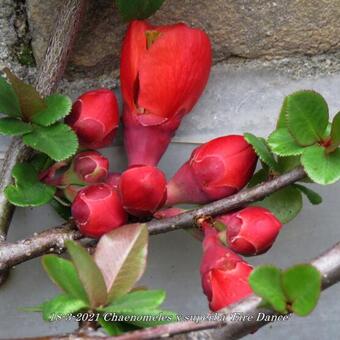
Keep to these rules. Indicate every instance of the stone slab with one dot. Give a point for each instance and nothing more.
(246, 29)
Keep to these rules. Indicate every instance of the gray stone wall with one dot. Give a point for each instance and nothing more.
(241, 28)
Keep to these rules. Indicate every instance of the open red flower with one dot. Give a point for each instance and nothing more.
(94, 118)
(224, 274)
(97, 210)
(164, 70)
(216, 169)
(142, 190)
(251, 231)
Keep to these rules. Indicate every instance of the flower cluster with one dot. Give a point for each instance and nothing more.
(164, 70)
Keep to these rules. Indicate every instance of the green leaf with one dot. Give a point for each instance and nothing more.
(14, 127)
(62, 210)
(302, 286)
(58, 107)
(282, 121)
(259, 177)
(61, 304)
(282, 143)
(142, 299)
(307, 116)
(9, 102)
(27, 190)
(111, 328)
(126, 247)
(41, 162)
(335, 131)
(288, 163)
(312, 196)
(30, 100)
(89, 274)
(285, 204)
(137, 9)
(262, 150)
(63, 273)
(321, 167)
(58, 141)
(265, 281)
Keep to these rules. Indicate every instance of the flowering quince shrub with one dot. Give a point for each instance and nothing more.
(164, 70)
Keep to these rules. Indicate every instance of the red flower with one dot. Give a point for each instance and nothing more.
(113, 179)
(224, 274)
(251, 231)
(164, 70)
(142, 190)
(95, 118)
(215, 170)
(97, 210)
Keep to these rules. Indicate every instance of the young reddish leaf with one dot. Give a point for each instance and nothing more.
(9, 102)
(121, 257)
(63, 273)
(30, 100)
(89, 274)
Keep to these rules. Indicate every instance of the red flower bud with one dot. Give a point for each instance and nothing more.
(54, 174)
(215, 170)
(251, 231)
(224, 274)
(94, 118)
(164, 70)
(97, 210)
(142, 190)
(87, 167)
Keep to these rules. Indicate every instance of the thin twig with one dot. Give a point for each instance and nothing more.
(14, 253)
(231, 327)
(51, 70)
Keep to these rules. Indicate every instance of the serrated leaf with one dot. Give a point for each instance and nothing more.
(282, 121)
(58, 107)
(265, 281)
(137, 9)
(57, 141)
(27, 191)
(62, 210)
(262, 150)
(127, 249)
(323, 168)
(14, 127)
(307, 116)
(61, 305)
(312, 196)
(142, 299)
(9, 102)
(88, 273)
(282, 143)
(335, 131)
(285, 203)
(63, 273)
(302, 286)
(30, 100)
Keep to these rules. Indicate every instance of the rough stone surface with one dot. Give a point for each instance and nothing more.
(243, 28)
